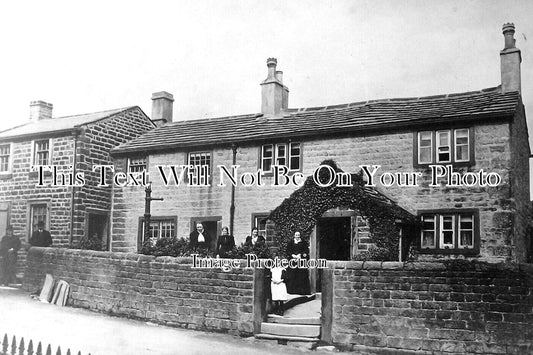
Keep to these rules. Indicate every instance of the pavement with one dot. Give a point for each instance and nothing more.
(97, 333)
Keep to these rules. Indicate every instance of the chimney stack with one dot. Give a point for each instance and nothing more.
(274, 95)
(40, 110)
(510, 61)
(162, 107)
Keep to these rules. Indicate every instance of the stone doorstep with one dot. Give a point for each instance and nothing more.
(295, 300)
(297, 330)
(286, 338)
(273, 318)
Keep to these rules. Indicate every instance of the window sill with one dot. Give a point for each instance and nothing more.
(469, 251)
(270, 173)
(465, 164)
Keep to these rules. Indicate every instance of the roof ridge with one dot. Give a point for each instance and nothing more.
(93, 113)
(62, 123)
(10, 128)
(399, 99)
(207, 119)
(62, 117)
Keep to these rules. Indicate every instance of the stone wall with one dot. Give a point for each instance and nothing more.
(165, 290)
(451, 307)
(520, 152)
(392, 150)
(93, 149)
(19, 189)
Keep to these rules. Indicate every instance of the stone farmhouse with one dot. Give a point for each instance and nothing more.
(475, 144)
(70, 208)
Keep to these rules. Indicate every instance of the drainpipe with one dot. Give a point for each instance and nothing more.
(400, 238)
(232, 207)
(76, 133)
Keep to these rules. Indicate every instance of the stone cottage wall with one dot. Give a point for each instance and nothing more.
(165, 290)
(19, 189)
(392, 150)
(431, 308)
(93, 149)
(520, 152)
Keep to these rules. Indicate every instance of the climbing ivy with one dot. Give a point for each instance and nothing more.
(301, 211)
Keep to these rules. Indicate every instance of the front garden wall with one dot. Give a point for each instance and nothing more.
(371, 307)
(165, 290)
(432, 308)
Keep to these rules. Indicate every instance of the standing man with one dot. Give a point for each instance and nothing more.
(41, 237)
(199, 238)
(9, 247)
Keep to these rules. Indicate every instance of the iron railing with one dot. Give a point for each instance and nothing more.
(21, 348)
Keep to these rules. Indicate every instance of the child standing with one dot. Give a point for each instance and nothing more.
(278, 289)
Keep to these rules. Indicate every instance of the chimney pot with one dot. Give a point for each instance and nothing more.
(162, 103)
(40, 110)
(271, 64)
(510, 58)
(508, 32)
(279, 76)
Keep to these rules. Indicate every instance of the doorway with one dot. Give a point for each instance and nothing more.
(97, 227)
(212, 226)
(331, 239)
(4, 217)
(334, 238)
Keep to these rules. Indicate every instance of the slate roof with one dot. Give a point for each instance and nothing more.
(315, 121)
(58, 124)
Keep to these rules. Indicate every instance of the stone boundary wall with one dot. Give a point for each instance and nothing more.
(451, 307)
(164, 290)
(447, 307)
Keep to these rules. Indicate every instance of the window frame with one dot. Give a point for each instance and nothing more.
(9, 157)
(129, 165)
(438, 145)
(457, 248)
(431, 146)
(434, 230)
(275, 158)
(459, 230)
(455, 145)
(452, 141)
(140, 237)
(34, 151)
(255, 218)
(210, 171)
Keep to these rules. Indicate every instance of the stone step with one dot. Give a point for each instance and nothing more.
(296, 330)
(273, 318)
(286, 337)
(310, 309)
(295, 300)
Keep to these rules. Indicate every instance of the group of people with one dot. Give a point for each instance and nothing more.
(283, 281)
(200, 238)
(293, 281)
(10, 245)
(225, 243)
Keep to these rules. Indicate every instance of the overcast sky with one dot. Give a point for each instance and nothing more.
(211, 55)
